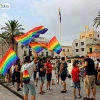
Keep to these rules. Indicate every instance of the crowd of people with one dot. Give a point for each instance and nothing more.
(87, 70)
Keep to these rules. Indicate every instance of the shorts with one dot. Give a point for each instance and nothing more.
(42, 79)
(98, 76)
(37, 74)
(30, 86)
(49, 77)
(89, 82)
(17, 77)
(76, 85)
(63, 77)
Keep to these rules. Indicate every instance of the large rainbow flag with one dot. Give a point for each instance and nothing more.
(30, 35)
(7, 61)
(54, 45)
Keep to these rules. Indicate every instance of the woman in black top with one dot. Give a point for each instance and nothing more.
(17, 74)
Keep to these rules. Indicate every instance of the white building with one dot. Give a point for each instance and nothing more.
(79, 46)
(86, 37)
(24, 51)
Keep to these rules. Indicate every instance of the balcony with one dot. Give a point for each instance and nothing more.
(93, 52)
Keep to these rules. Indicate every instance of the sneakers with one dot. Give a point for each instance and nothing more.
(79, 96)
(74, 97)
(12, 86)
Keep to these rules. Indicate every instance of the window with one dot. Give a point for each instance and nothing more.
(68, 50)
(82, 49)
(77, 50)
(55, 56)
(82, 43)
(52, 53)
(63, 50)
(42, 53)
(76, 44)
(25, 53)
(90, 35)
(46, 54)
(82, 36)
(90, 50)
(30, 53)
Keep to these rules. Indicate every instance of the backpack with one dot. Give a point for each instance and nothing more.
(26, 76)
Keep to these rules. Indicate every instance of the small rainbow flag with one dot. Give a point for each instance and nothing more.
(54, 45)
(36, 47)
(33, 33)
(26, 77)
(7, 61)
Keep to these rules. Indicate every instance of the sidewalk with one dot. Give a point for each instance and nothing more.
(54, 93)
(6, 94)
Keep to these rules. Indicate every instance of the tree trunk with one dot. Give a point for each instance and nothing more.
(13, 42)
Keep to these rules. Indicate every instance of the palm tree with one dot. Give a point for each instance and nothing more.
(97, 20)
(12, 29)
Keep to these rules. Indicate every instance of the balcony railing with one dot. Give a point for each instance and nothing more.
(93, 52)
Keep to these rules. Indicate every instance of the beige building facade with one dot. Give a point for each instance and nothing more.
(65, 50)
(86, 37)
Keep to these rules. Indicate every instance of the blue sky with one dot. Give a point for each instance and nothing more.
(31, 13)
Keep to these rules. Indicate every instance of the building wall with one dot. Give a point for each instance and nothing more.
(65, 49)
(79, 46)
(22, 52)
(4, 48)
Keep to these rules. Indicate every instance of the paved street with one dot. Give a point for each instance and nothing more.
(7, 95)
(55, 92)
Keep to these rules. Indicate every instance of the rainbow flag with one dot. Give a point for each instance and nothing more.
(54, 45)
(36, 47)
(7, 61)
(28, 37)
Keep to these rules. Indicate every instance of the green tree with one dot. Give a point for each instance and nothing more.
(97, 20)
(12, 29)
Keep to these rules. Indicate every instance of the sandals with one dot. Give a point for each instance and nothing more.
(85, 98)
(41, 92)
(53, 84)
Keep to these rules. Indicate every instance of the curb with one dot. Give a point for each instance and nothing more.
(17, 94)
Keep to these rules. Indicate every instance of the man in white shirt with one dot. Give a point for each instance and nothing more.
(30, 86)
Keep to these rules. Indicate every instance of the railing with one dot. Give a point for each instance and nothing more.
(93, 52)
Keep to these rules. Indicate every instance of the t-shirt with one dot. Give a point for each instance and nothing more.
(64, 71)
(29, 67)
(49, 65)
(70, 67)
(41, 73)
(75, 74)
(90, 69)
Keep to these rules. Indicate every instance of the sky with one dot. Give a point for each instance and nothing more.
(75, 14)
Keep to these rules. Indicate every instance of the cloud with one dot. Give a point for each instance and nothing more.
(3, 18)
(75, 14)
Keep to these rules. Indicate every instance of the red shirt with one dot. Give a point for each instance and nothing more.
(75, 74)
(48, 65)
